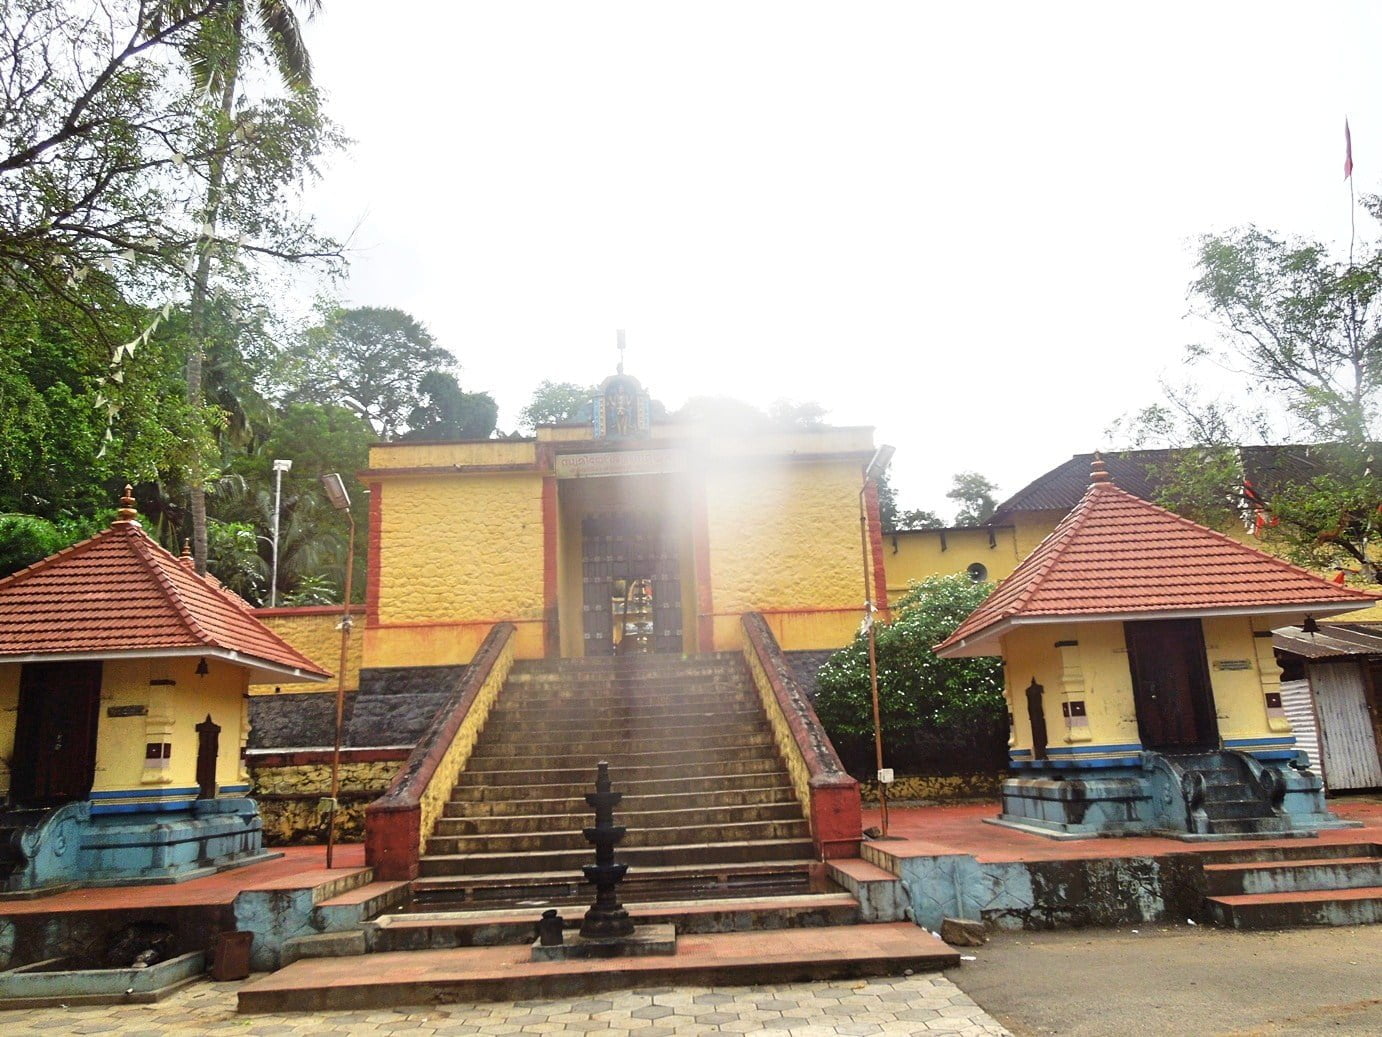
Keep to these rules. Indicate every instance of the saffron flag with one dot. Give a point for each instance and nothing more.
(1348, 151)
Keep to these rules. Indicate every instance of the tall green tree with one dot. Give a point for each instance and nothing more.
(218, 55)
(372, 359)
(446, 412)
(554, 402)
(1300, 328)
(974, 495)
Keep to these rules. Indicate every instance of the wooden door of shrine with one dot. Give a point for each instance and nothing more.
(617, 549)
(55, 732)
(1170, 683)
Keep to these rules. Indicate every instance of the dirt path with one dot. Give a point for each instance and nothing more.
(1182, 980)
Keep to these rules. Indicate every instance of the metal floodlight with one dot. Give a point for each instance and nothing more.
(336, 491)
(881, 458)
(283, 465)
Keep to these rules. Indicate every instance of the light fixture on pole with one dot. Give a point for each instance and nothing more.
(280, 466)
(340, 500)
(875, 469)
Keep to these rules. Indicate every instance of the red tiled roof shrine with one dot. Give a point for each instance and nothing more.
(1118, 556)
(121, 594)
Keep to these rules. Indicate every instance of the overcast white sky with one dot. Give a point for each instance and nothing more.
(970, 226)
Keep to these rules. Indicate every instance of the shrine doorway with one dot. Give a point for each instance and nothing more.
(626, 568)
(55, 733)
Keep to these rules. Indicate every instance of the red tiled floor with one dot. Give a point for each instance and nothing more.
(299, 866)
(936, 831)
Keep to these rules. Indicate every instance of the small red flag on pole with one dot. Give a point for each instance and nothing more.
(1348, 151)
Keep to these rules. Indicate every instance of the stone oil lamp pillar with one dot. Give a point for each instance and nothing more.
(607, 931)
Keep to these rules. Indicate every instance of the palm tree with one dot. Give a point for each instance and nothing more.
(216, 57)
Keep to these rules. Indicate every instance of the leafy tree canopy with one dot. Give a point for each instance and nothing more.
(974, 495)
(555, 402)
(373, 358)
(922, 697)
(448, 413)
(1301, 330)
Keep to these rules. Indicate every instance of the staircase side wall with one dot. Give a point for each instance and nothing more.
(827, 793)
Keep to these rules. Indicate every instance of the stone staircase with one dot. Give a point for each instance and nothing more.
(708, 804)
(1273, 887)
(1225, 797)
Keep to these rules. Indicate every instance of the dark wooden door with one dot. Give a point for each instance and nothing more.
(615, 550)
(1170, 682)
(55, 732)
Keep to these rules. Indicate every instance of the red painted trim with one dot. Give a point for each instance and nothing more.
(552, 635)
(372, 559)
(880, 574)
(700, 549)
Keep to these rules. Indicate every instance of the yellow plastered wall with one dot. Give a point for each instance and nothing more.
(449, 455)
(455, 556)
(785, 537)
(1096, 672)
(316, 634)
(174, 711)
(1239, 702)
(919, 554)
(9, 712)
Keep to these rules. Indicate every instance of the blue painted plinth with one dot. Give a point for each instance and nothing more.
(71, 845)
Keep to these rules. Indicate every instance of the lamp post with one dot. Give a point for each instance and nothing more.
(280, 466)
(875, 468)
(340, 500)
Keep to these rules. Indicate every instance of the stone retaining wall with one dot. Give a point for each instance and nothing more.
(938, 787)
(289, 786)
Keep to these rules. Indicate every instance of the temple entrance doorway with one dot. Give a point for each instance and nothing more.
(1171, 689)
(631, 585)
(625, 569)
(55, 733)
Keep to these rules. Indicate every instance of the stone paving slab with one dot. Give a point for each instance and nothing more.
(920, 1004)
(505, 972)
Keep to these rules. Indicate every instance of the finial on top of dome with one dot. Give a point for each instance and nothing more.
(127, 511)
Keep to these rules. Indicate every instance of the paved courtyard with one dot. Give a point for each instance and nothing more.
(922, 1004)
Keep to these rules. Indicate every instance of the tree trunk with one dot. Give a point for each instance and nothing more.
(201, 282)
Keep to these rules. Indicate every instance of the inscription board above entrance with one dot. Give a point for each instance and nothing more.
(618, 462)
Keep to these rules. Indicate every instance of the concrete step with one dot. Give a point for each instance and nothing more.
(635, 856)
(347, 910)
(548, 841)
(629, 759)
(687, 811)
(1284, 910)
(542, 725)
(1293, 876)
(497, 973)
(725, 788)
(879, 892)
(642, 885)
(1312, 850)
(1237, 809)
(1254, 826)
(704, 773)
(437, 930)
(592, 708)
(1230, 792)
(611, 746)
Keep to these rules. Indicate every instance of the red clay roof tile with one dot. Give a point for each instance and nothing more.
(1115, 553)
(120, 592)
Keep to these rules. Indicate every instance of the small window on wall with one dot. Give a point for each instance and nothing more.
(977, 571)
